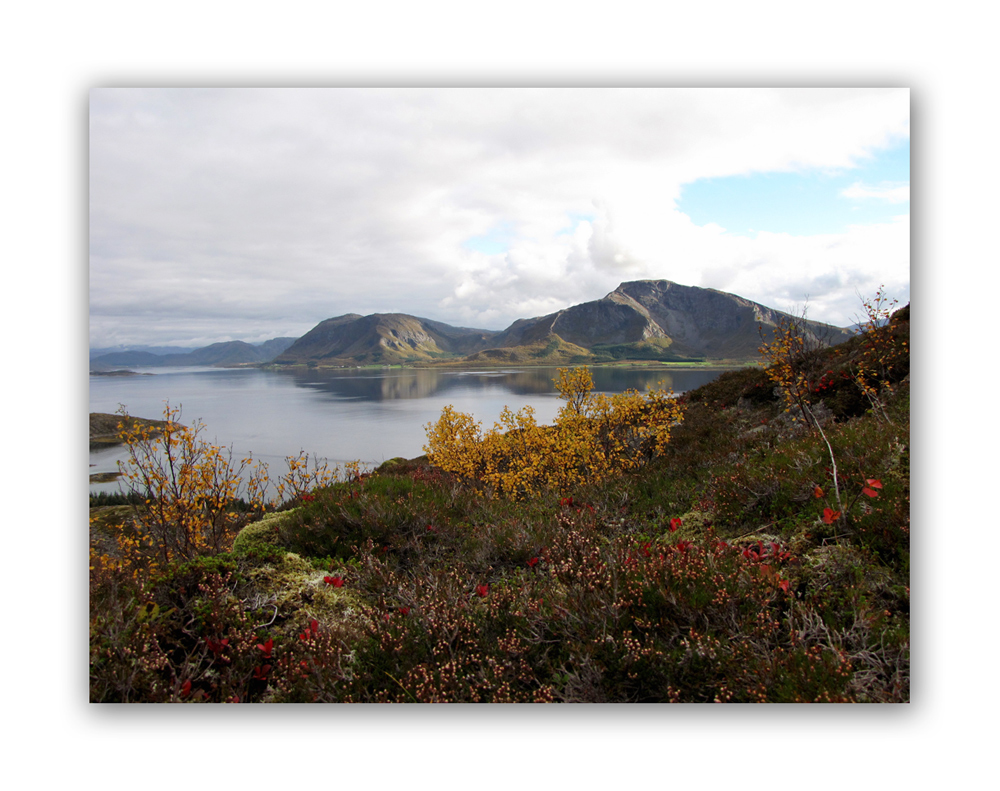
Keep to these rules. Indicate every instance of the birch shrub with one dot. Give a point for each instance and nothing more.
(594, 436)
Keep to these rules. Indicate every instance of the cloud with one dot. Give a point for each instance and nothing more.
(259, 212)
(890, 193)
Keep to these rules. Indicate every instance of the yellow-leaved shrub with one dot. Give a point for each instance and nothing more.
(594, 436)
(195, 495)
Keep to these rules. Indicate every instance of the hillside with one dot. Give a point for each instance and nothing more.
(661, 320)
(550, 349)
(735, 563)
(382, 338)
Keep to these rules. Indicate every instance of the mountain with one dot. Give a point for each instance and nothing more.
(382, 338)
(639, 320)
(155, 350)
(225, 353)
(657, 319)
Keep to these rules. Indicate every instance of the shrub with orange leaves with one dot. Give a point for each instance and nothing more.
(882, 353)
(196, 495)
(594, 436)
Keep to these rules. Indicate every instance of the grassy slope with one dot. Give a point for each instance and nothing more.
(590, 595)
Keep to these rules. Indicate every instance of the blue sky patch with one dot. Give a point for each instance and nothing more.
(574, 222)
(497, 240)
(799, 203)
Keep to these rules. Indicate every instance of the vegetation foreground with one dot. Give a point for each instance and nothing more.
(746, 542)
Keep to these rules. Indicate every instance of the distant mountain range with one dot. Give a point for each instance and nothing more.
(100, 352)
(221, 354)
(639, 320)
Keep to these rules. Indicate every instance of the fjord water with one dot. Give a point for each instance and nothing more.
(342, 415)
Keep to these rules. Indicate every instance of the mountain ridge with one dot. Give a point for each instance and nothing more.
(221, 354)
(657, 319)
(648, 320)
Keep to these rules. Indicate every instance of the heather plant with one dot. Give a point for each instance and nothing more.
(587, 619)
(178, 637)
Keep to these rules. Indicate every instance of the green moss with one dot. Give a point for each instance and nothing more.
(266, 532)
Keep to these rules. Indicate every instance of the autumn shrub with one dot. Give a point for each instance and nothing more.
(594, 436)
(191, 497)
(885, 350)
(191, 489)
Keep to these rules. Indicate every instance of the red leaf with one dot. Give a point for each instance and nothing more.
(217, 647)
(875, 483)
(817, 492)
(260, 673)
(186, 688)
(532, 562)
(830, 516)
(784, 585)
(674, 524)
(869, 492)
(314, 626)
(482, 590)
(337, 582)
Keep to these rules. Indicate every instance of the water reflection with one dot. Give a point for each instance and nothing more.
(395, 384)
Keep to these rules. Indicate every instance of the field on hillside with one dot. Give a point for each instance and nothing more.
(747, 542)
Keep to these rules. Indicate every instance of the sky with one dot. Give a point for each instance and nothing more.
(247, 214)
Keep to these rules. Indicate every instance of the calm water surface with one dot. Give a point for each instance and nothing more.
(371, 415)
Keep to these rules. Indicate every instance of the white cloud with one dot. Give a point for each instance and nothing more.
(260, 211)
(890, 193)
